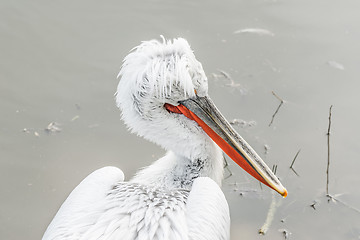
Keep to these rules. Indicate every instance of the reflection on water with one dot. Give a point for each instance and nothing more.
(58, 71)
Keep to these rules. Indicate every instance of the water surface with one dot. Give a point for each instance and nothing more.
(59, 62)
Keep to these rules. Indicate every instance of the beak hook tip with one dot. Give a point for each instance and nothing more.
(285, 193)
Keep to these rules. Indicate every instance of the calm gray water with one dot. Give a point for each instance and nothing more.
(59, 61)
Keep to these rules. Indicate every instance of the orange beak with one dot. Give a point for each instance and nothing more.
(204, 112)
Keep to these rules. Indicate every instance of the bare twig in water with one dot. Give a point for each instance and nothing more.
(226, 166)
(313, 205)
(280, 99)
(53, 127)
(274, 168)
(276, 111)
(328, 153)
(270, 215)
(292, 163)
(286, 233)
(332, 198)
(272, 209)
(227, 76)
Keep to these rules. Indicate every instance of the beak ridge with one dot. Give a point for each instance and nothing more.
(204, 112)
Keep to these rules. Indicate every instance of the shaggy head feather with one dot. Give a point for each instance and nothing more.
(153, 74)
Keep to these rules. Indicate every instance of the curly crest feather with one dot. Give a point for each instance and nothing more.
(159, 71)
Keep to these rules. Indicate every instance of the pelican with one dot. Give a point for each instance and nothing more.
(163, 97)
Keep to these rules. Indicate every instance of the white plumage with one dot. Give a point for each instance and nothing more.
(178, 196)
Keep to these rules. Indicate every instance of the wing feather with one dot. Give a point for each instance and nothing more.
(207, 211)
(92, 189)
(102, 206)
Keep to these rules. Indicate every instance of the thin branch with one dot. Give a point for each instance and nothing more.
(286, 233)
(292, 163)
(295, 172)
(274, 168)
(313, 205)
(276, 111)
(225, 74)
(343, 203)
(270, 215)
(328, 153)
(226, 166)
(279, 98)
(295, 158)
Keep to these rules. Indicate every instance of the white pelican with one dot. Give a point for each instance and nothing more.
(163, 96)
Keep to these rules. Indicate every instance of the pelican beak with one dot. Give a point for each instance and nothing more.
(204, 112)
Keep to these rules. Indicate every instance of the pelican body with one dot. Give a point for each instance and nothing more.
(163, 97)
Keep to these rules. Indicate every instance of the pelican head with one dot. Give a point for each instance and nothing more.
(163, 97)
